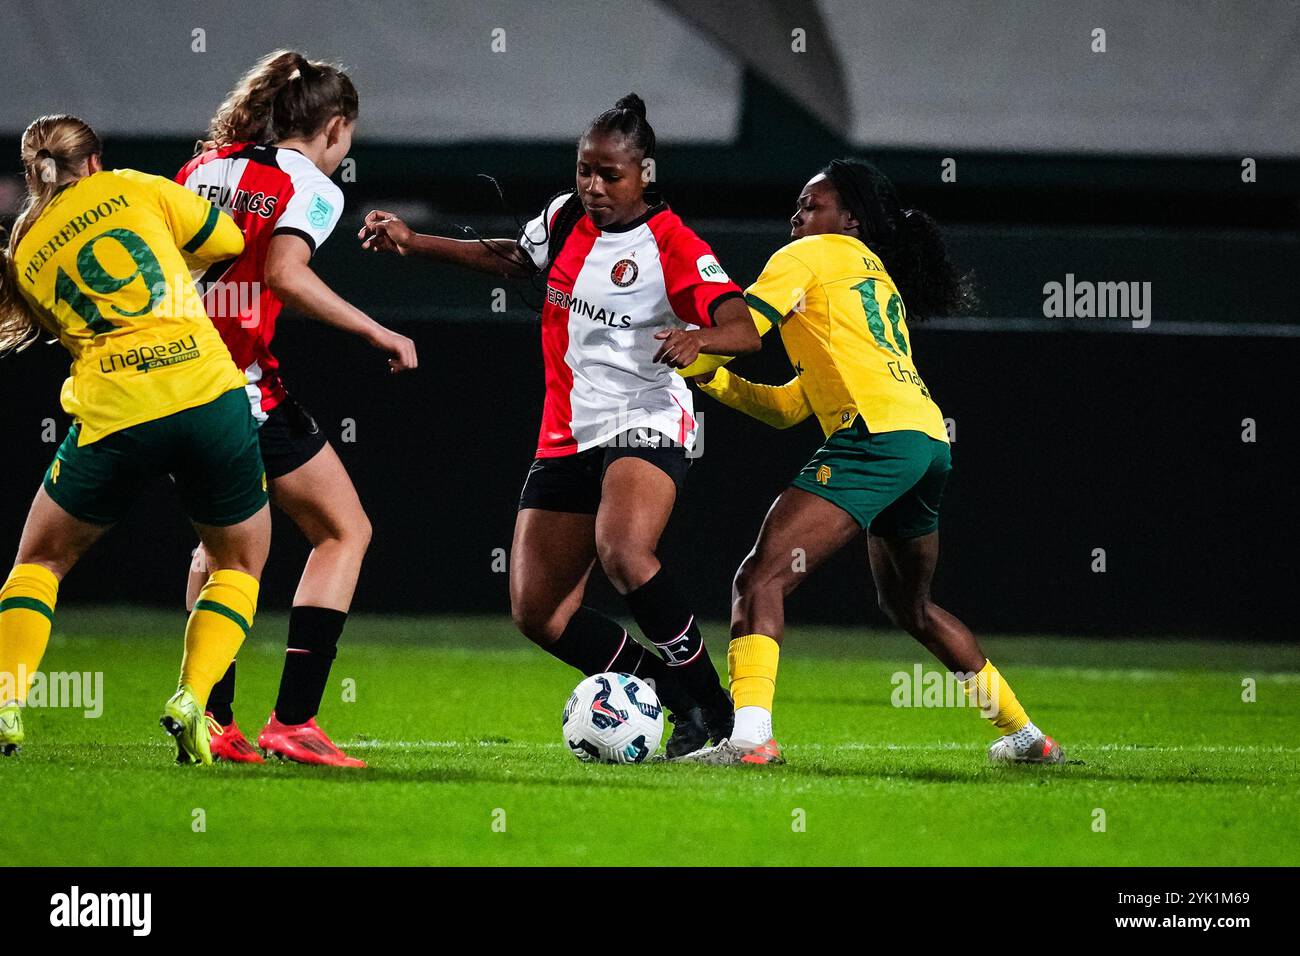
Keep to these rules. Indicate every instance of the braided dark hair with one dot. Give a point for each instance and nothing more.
(908, 240)
(628, 119)
(556, 234)
(565, 219)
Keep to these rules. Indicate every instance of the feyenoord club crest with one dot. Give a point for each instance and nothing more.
(624, 273)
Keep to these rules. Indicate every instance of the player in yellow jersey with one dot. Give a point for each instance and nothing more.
(101, 260)
(838, 294)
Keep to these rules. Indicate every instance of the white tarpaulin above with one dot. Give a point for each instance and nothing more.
(426, 71)
(1208, 77)
(1177, 77)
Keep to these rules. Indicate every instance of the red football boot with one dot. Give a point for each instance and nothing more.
(303, 743)
(229, 743)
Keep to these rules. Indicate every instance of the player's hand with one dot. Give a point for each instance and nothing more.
(385, 232)
(704, 378)
(680, 347)
(400, 349)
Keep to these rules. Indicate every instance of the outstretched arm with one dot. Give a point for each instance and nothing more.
(386, 232)
(732, 334)
(777, 405)
(289, 275)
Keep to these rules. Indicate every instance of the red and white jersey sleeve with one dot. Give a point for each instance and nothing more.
(269, 192)
(695, 281)
(607, 293)
(313, 210)
(535, 238)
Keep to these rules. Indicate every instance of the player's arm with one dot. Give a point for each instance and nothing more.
(203, 233)
(733, 333)
(777, 405)
(386, 232)
(290, 276)
(775, 294)
(702, 295)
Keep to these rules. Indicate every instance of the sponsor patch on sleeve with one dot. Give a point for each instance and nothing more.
(710, 270)
(320, 211)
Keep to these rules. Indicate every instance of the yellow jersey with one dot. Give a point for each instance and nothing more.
(844, 327)
(108, 265)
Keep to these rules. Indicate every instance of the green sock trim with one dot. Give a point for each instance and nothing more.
(27, 604)
(217, 608)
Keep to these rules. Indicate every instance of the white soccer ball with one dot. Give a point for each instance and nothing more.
(613, 718)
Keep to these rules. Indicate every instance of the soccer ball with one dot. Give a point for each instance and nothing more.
(613, 718)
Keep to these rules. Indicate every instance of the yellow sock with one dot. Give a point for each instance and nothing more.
(26, 614)
(221, 619)
(996, 700)
(751, 664)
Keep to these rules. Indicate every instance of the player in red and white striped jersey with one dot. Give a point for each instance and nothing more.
(276, 140)
(631, 292)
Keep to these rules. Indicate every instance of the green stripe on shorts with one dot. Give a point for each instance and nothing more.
(26, 604)
(218, 608)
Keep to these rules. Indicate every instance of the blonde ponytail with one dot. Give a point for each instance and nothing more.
(54, 152)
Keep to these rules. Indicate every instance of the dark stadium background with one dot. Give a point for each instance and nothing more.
(1071, 435)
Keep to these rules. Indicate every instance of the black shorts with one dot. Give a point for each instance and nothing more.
(572, 483)
(289, 438)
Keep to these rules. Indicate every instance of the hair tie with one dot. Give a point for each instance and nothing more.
(48, 169)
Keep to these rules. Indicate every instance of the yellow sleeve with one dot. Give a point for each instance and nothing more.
(202, 231)
(780, 288)
(777, 405)
(774, 295)
(709, 363)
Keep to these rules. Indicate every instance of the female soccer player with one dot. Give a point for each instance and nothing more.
(838, 294)
(102, 260)
(275, 141)
(621, 271)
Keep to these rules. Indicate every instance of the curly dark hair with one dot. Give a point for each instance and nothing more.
(908, 240)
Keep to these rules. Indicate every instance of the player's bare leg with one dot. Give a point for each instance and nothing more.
(636, 502)
(218, 624)
(551, 559)
(52, 542)
(53, 538)
(637, 499)
(320, 498)
(903, 569)
(322, 501)
(800, 532)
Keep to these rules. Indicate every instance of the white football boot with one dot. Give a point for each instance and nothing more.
(1027, 745)
(727, 754)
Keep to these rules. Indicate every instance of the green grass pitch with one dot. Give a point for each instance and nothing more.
(460, 721)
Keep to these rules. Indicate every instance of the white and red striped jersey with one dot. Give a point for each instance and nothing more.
(607, 294)
(268, 191)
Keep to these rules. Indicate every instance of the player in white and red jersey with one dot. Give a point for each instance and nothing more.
(269, 191)
(276, 140)
(625, 279)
